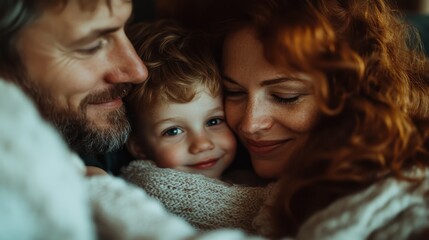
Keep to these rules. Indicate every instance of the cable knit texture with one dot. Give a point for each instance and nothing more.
(204, 202)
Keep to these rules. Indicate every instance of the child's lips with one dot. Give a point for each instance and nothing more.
(204, 164)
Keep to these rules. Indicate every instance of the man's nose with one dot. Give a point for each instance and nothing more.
(127, 65)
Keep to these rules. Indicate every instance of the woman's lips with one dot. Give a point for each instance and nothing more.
(263, 147)
(205, 164)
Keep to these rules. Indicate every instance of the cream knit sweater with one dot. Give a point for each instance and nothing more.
(204, 202)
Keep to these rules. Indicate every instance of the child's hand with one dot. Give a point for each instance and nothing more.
(94, 171)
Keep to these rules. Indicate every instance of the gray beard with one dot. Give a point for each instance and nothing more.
(80, 133)
(85, 138)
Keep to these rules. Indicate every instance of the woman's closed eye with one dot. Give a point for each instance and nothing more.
(286, 100)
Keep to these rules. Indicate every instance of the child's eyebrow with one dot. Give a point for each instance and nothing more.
(217, 109)
(162, 121)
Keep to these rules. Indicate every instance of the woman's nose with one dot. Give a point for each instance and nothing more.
(256, 118)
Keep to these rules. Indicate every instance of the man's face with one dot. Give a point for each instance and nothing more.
(79, 64)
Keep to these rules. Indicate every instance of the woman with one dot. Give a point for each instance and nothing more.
(329, 97)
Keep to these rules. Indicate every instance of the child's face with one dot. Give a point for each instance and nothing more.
(191, 137)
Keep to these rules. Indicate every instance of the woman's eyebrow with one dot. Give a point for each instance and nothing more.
(268, 81)
(277, 80)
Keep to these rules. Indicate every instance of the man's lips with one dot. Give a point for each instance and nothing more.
(205, 164)
(111, 97)
(117, 102)
(263, 147)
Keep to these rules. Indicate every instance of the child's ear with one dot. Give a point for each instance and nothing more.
(135, 148)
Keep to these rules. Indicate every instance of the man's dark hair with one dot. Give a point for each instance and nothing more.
(14, 14)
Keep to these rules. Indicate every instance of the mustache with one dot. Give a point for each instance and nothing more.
(118, 91)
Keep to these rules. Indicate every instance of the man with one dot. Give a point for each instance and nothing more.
(74, 59)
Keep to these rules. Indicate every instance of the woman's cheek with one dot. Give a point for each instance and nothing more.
(233, 115)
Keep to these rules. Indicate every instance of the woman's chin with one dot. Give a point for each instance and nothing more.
(266, 170)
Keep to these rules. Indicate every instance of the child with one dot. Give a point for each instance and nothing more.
(177, 119)
(177, 115)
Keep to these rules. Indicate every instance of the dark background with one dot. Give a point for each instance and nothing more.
(198, 14)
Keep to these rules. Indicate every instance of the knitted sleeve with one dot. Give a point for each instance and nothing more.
(125, 212)
(122, 211)
(204, 202)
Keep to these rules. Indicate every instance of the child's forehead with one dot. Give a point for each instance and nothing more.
(181, 93)
(200, 96)
(198, 109)
(194, 95)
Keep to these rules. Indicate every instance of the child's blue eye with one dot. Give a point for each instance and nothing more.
(172, 132)
(214, 121)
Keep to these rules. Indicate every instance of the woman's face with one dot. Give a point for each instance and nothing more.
(272, 110)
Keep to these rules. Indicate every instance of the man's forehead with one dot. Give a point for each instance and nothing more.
(65, 26)
(77, 9)
(61, 4)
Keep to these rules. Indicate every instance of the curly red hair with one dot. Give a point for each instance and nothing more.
(371, 85)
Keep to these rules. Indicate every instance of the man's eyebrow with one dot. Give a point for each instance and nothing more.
(95, 33)
(268, 81)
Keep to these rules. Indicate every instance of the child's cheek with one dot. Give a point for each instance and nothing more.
(171, 158)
